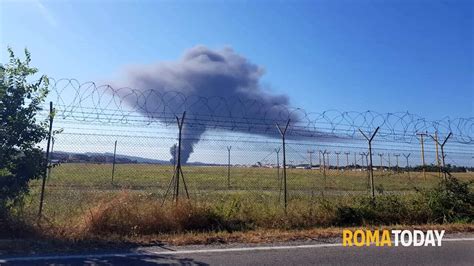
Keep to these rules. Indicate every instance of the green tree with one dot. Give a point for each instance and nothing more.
(21, 97)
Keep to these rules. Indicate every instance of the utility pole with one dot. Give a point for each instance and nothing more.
(422, 142)
(228, 166)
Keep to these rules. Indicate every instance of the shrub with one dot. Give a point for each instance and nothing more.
(385, 209)
(20, 158)
(348, 216)
(451, 201)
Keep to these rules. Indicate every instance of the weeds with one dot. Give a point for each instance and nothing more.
(132, 215)
(451, 201)
(129, 214)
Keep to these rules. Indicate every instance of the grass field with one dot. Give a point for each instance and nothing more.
(73, 188)
(151, 177)
(82, 201)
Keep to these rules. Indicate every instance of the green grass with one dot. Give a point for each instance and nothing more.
(81, 201)
(73, 189)
(214, 178)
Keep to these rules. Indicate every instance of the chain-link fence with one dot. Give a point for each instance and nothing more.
(104, 148)
(96, 163)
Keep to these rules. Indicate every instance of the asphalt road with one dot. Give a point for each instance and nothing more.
(452, 252)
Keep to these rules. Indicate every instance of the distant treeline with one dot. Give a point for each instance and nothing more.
(64, 157)
(89, 158)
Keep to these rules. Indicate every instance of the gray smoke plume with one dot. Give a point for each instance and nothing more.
(209, 74)
(174, 153)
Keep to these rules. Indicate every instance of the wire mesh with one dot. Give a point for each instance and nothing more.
(326, 156)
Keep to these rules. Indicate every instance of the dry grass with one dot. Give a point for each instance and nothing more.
(130, 218)
(260, 236)
(281, 235)
(134, 216)
(254, 195)
(129, 214)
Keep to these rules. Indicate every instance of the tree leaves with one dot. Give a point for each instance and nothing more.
(20, 101)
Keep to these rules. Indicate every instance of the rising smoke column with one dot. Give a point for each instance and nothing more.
(206, 73)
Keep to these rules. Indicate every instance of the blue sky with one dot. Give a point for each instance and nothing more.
(385, 56)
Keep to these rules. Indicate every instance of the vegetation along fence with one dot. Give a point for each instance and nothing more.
(172, 146)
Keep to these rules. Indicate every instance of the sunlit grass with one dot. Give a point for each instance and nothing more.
(73, 189)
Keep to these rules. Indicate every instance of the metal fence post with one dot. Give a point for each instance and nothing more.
(337, 160)
(381, 161)
(389, 163)
(435, 138)
(50, 157)
(51, 118)
(277, 151)
(320, 163)
(347, 158)
(355, 160)
(178, 172)
(310, 152)
(422, 142)
(371, 173)
(113, 162)
(396, 156)
(328, 165)
(362, 155)
(408, 165)
(324, 171)
(228, 166)
(283, 133)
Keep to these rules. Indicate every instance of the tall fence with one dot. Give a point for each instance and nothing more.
(170, 146)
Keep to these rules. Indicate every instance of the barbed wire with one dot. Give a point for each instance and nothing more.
(89, 102)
